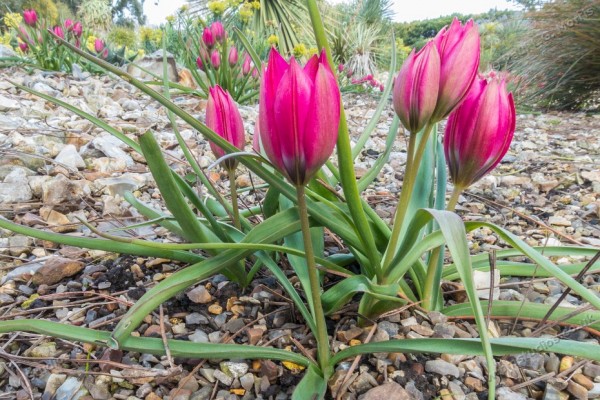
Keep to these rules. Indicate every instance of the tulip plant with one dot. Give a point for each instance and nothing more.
(301, 121)
(214, 59)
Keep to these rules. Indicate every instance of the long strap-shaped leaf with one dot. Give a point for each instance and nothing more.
(500, 347)
(178, 348)
(277, 227)
(510, 309)
(101, 244)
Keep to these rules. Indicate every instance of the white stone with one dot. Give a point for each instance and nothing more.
(70, 157)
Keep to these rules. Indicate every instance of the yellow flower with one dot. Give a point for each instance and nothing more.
(256, 5)
(184, 8)
(89, 44)
(217, 7)
(312, 51)
(170, 19)
(5, 39)
(273, 40)
(245, 14)
(13, 20)
(300, 50)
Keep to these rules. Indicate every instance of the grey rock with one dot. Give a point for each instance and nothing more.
(533, 361)
(7, 104)
(118, 185)
(9, 122)
(551, 393)
(198, 337)
(45, 89)
(196, 319)
(19, 244)
(53, 383)
(594, 393)
(71, 389)
(70, 157)
(247, 381)
(15, 187)
(234, 369)
(504, 393)
(112, 147)
(199, 295)
(592, 370)
(222, 377)
(64, 192)
(442, 367)
(7, 51)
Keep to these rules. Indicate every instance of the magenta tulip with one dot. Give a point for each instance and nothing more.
(233, 56)
(24, 47)
(218, 31)
(68, 24)
(98, 45)
(199, 63)
(299, 112)
(340, 67)
(215, 59)
(479, 131)
(208, 38)
(58, 31)
(416, 88)
(458, 47)
(30, 17)
(78, 29)
(223, 117)
(247, 64)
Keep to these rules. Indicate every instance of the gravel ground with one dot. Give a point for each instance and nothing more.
(57, 167)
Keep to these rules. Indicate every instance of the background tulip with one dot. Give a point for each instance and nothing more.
(215, 59)
(208, 38)
(24, 47)
(246, 66)
(459, 51)
(78, 29)
(218, 31)
(299, 115)
(416, 88)
(98, 45)
(58, 31)
(479, 131)
(68, 24)
(223, 117)
(199, 63)
(30, 17)
(233, 56)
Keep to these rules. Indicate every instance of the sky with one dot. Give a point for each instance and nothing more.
(406, 10)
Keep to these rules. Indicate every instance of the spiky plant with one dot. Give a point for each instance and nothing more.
(96, 15)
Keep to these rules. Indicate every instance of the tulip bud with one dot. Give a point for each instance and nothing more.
(416, 88)
(98, 45)
(199, 63)
(479, 131)
(68, 24)
(223, 117)
(299, 112)
(340, 67)
(58, 31)
(247, 64)
(208, 38)
(104, 53)
(30, 17)
(233, 56)
(78, 29)
(24, 47)
(458, 47)
(218, 31)
(215, 59)
(254, 73)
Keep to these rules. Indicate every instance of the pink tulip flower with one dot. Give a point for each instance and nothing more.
(218, 31)
(78, 29)
(299, 112)
(223, 117)
(24, 47)
(68, 24)
(340, 67)
(479, 131)
(233, 56)
(58, 31)
(247, 64)
(98, 45)
(199, 63)
(215, 59)
(208, 38)
(416, 88)
(459, 51)
(30, 17)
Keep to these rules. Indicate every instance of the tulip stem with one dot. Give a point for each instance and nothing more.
(323, 353)
(234, 199)
(410, 174)
(431, 289)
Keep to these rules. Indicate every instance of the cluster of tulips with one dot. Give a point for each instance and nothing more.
(220, 62)
(35, 41)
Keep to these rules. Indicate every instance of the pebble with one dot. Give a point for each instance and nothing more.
(442, 367)
(387, 391)
(199, 295)
(55, 269)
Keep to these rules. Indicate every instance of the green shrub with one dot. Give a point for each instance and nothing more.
(557, 64)
(120, 36)
(96, 15)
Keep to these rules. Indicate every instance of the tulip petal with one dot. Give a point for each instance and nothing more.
(321, 130)
(292, 107)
